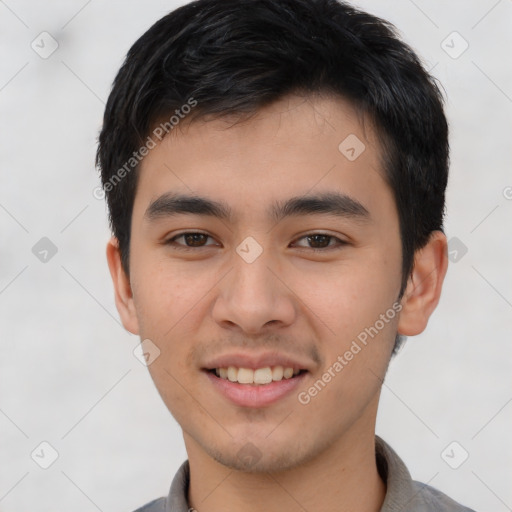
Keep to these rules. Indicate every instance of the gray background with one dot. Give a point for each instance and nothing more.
(68, 375)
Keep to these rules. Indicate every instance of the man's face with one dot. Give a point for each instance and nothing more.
(250, 291)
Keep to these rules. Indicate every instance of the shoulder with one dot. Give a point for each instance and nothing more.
(405, 494)
(429, 499)
(157, 505)
(176, 500)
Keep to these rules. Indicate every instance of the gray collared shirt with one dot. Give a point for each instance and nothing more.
(402, 495)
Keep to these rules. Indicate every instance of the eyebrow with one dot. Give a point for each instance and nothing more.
(330, 203)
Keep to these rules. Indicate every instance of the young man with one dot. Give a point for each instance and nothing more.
(275, 174)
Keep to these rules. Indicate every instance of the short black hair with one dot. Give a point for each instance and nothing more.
(234, 57)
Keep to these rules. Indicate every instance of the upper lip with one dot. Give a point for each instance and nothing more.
(254, 361)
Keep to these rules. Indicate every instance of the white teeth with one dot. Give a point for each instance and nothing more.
(245, 376)
(288, 373)
(277, 373)
(232, 373)
(259, 376)
(262, 375)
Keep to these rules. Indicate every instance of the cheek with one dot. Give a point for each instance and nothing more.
(172, 383)
(346, 297)
(164, 293)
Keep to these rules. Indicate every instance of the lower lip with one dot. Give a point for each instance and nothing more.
(255, 395)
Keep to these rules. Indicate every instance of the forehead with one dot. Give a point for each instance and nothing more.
(296, 146)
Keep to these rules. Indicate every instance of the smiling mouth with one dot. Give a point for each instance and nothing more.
(256, 377)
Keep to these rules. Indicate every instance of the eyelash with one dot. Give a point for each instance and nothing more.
(340, 243)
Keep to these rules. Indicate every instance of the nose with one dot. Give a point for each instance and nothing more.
(254, 296)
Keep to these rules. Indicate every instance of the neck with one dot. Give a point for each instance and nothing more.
(342, 478)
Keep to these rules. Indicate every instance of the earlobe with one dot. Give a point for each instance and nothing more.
(122, 288)
(424, 285)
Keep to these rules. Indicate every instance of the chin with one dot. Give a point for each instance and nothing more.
(256, 462)
(258, 455)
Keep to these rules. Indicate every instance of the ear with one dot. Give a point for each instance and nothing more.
(424, 285)
(122, 288)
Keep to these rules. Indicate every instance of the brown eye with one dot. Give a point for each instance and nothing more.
(195, 239)
(319, 241)
(191, 240)
(322, 242)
